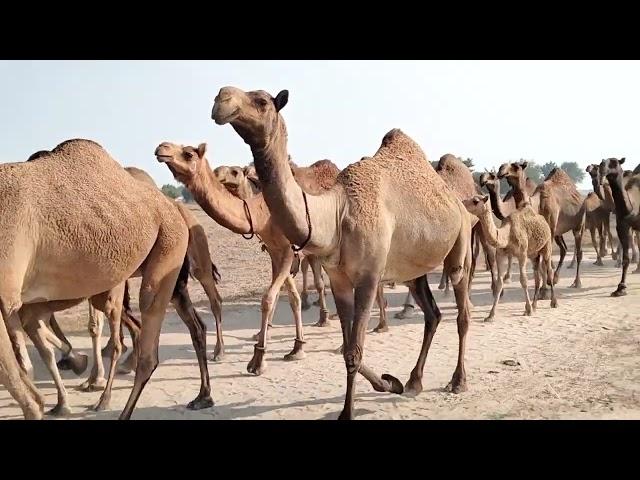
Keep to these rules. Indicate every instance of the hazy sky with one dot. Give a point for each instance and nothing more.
(491, 111)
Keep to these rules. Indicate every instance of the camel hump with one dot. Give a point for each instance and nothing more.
(140, 175)
(392, 136)
(38, 154)
(76, 143)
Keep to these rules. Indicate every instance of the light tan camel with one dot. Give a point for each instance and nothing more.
(525, 235)
(248, 217)
(63, 221)
(389, 218)
(559, 203)
(197, 263)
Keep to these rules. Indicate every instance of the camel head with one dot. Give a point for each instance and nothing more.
(239, 181)
(611, 169)
(477, 205)
(184, 161)
(254, 115)
(594, 172)
(514, 173)
(490, 180)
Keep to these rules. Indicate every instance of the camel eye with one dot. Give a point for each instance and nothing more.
(262, 102)
(188, 154)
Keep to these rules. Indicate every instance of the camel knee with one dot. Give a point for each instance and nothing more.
(352, 358)
(146, 365)
(456, 274)
(268, 301)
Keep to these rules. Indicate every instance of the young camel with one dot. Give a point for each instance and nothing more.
(559, 203)
(627, 203)
(55, 251)
(525, 235)
(389, 218)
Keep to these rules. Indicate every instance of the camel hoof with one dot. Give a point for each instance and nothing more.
(620, 292)
(200, 403)
(316, 303)
(340, 350)
(543, 294)
(107, 351)
(101, 406)
(571, 266)
(344, 415)
(413, 387)
(456, 386)
(506, 279)
(256, 336)
(78, 362)
(489, 319)
(554, 303)
(257, 365)
(614, 255)
(217, 355)
(59, 411)
(297, 353)
(305, 305)
(95, 386)
(381, 328)
(576, 284)
(333, 316)
(391, 385)
(599, 263)
(441, 286)
(64, 364)
(528, 310)
(555, 279)
(407, 312)
(322, 323)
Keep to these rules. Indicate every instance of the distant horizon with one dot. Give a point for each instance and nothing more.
(490, 111)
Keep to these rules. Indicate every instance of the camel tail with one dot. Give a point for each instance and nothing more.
(183, 277)
(126, 306)
(216, 273)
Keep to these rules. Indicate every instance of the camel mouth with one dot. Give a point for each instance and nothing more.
(222, 119)
(163, 158)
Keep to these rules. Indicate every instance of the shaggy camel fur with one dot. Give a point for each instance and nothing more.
(55, 251)
(190, 167)
(559, 203)
(525, 235)
(389, 218)
(627, 205)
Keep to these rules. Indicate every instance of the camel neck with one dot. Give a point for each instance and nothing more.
(496, 204)
(520, 196)
(623, 207)
(281, 192)
(491, 231)
(225, 208)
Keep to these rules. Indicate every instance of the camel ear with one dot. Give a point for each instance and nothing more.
(281, 100)
(589, 168)
(524, 165)
(621, 161)
(202, 149)
(485, 198)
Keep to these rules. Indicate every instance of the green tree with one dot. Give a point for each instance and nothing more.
(186, 194)
(533, 171)
(171, 191)
(574, 171)
(547, 167)
(469, 163)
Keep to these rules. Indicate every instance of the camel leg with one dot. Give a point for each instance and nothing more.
(563, 251)
(215, 301)
(408, 307)
(107, 351)
(382, 305)
(607, 230)
(305, 284)
(422, 293)
(16, 381)
(113, 312)
(35, 327)
(281, 267)
(577, 235)
(316, 268)
(96, 380)
(18, 343)
(75, 361)
(522, 262)
(603, 240)
(634, 242)
(507, 275)
(624, 237)
(536, 276)
(598, 246)
(637, 270)
(297, 353)
(128, 365)
(475, 242)
(547, 266)
(198, 331)
(500, 257)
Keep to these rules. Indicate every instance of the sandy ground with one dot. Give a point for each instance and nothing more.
(581, 360)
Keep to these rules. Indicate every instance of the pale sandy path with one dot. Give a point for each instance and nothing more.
(579, 361)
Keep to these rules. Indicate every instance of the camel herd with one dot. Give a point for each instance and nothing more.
(387, 218)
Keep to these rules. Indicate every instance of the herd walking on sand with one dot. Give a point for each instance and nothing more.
(387, 218)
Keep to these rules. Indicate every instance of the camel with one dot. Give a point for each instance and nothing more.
(197, 263)
(389, 218)
(58, 251)
(248, 217)
(559, 203)
(526, 235)
(627, 205)
(597, 217)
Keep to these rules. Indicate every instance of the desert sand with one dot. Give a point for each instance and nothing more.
(580, 361)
